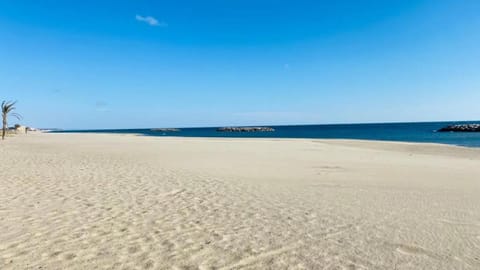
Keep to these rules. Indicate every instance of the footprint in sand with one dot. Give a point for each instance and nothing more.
(133, 249)
(149, 264)
(55, 254)
(70, 256)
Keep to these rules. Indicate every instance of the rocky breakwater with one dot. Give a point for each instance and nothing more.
(245, 129)
(461, 128)
(165, 129)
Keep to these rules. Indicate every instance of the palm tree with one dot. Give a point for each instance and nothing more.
(7, 108)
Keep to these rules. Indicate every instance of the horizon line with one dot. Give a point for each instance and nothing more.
(267, 125)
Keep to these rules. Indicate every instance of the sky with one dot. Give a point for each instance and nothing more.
(141, 64)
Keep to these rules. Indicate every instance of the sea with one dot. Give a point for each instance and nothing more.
(425, 132)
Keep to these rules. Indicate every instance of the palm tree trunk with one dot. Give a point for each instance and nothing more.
(4, 128)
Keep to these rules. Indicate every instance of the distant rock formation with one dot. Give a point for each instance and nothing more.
(461, 128)
(165, 129)
(245, 129)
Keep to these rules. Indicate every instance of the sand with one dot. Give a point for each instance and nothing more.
(98, 201)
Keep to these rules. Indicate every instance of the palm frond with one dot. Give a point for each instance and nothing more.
(16, 115)
(8, 106)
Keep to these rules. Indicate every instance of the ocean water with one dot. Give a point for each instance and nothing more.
(402, 132)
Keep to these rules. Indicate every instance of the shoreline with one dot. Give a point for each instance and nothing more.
(326, 140)
(395, 132)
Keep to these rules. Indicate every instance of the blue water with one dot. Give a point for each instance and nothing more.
(403, 132)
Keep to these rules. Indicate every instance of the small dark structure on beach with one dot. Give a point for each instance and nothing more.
(461, 128)
(245, 129)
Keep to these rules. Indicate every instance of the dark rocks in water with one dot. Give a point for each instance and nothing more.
(165, 129)
(245, 129)
(461, 128)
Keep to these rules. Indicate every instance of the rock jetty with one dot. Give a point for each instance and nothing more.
(165, 129)
(461, 128)
(245, 129)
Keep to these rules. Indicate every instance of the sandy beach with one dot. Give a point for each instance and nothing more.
(100, 201)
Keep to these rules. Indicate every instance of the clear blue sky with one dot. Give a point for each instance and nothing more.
(125, 64)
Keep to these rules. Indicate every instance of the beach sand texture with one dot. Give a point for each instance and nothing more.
(100, 201)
